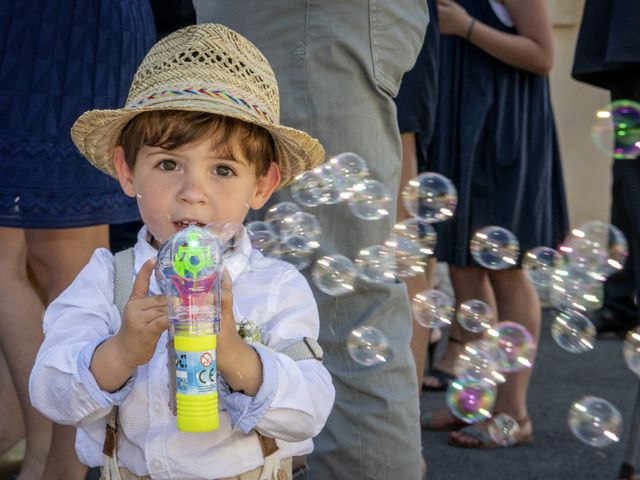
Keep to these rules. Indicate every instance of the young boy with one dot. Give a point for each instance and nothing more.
(199, 141)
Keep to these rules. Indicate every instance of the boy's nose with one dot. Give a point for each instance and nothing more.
(192, 191)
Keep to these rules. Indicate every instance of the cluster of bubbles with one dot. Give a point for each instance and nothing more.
(571, 278)
(503, 348)
(293, 235)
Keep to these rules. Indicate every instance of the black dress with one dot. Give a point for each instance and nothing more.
(495, 138)
(59, 58)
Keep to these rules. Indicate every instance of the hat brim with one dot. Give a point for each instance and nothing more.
(97, 132)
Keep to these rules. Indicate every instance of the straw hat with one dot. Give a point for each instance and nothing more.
(204, 68)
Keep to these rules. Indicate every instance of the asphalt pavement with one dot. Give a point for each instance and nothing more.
(559, 378)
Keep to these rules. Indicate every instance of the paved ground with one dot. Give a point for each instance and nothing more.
(559, 378)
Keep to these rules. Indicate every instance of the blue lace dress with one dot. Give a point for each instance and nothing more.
(59, 58)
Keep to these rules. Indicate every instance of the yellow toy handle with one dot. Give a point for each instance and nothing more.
(196, 392)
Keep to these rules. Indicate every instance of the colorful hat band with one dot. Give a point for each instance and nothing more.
(203, 92)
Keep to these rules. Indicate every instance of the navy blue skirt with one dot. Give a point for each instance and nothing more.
(59, 58)
(495, 138)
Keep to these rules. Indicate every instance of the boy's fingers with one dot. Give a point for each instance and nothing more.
(226, 283)
(141, 285)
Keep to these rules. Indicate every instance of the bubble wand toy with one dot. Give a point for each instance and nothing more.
(188, 271)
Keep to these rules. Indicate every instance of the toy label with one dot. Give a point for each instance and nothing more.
(196, 372)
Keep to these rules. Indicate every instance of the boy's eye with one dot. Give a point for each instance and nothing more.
(224, 171)
(168, 165)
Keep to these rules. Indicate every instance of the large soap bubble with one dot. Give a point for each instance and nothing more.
(431, 197)
(495, 248)
(595, 421)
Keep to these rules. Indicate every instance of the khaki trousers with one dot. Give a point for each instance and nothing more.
(283, 474)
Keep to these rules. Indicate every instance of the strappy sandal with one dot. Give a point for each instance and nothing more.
(484, 440)
(443, 378)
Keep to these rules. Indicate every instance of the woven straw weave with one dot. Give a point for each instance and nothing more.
(206, 68)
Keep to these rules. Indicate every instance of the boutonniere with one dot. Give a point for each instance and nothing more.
(249, 331)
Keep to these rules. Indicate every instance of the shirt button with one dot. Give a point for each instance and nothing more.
(157, 407)
(156, 464)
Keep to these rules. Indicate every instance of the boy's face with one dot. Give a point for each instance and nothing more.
(193, 184)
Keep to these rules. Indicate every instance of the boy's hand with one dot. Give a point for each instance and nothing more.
(145, 318)
(238, 363)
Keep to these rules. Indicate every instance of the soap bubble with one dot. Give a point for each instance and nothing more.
(475, 316)
(413, 241)
(376, 264)
(333, 186)
(515, 346)
(504, 430)
(431, 197)
(419, 231)
(573, 332)
(228, 235)
(495, 248)
(595, 421)
(409, 255)
(307, 188)
(280, 214)
(538, 264)
(351, 167)
(302, 224)
(164, 268)
(573, 287)
(470, 400)
(368, 346)
(477, 361)
(631, 350)
(599, 248)
(296, 250)
(370, 200)
(263, 238)
(432, 308)
(616, 131)
(334, 275)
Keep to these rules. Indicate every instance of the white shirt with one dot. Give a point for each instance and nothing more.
(292, 404)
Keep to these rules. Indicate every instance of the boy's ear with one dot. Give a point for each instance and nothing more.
(125, 175)
(266, 186)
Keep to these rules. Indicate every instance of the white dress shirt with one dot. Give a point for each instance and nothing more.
(292, 404)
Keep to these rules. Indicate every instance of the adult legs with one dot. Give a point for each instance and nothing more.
(468, 283)
(21, 320)
(517, 301)
(56, 257)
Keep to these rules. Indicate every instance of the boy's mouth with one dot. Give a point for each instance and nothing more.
(182, 224)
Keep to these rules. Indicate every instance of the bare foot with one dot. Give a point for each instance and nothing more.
(441, 420)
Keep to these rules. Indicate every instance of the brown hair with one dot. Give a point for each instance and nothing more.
(170, 129)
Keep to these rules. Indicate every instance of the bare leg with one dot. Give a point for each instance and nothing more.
(12, 429)
(420, 336)
(518, 302)
(21, 321)
(56, 257)
(468, 283)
